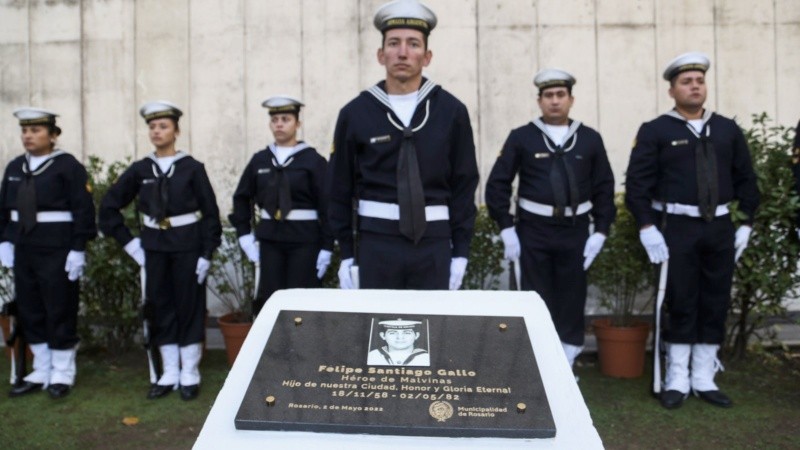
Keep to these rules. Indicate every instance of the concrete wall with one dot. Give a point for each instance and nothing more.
(96, 61)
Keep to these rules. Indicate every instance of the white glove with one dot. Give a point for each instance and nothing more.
(202, 269)
(323, 261)
(653, 242)
(345, 282)
(7, 254)
(798, 234)
(511, 243)
(458, 267)
(248, 244)
(740, 242)
(74, 266)
(134, 249)
(593, 246)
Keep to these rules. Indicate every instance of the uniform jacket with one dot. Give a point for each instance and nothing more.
(365, 155)
(527, 151)
(189, 190)
(306, 172)
(61, 185)
(662, 165)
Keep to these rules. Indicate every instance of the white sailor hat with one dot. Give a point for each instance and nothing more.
(687, 61)
(399, 324)
(160, 109)
(547, 78)
(281, 104)
(405, 14)
(36, 116)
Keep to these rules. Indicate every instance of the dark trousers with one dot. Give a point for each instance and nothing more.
(178, 302)
(286, 265)
(552, 265)
(47, 300)
(699, 278)
(394, 262)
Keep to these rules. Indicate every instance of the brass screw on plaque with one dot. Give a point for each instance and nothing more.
(521, 407)
(270, 400)
(298, 321)
(502, 327)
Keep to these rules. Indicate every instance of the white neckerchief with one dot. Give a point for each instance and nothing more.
(404, 106)
(39, 163)
(282, 154)
(164, 162)
(557, 132)
(571, 130)
(697, 124)
(35, 161)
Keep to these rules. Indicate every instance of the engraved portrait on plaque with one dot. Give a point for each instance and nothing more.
(399, 342)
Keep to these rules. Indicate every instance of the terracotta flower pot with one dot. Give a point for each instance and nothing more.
(234, 332)
(621, 350)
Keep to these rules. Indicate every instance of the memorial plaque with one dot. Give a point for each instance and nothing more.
(398, 374)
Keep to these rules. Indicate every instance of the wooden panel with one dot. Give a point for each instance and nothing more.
(218, 111)
(109, 107)
(162, 63)
(55, 70)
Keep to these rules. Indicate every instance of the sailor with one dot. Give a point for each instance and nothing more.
(403, 163)
(685, 168)
(566, 190)
(180, 229)
(400, 349)
(46, 218)
(285, 181)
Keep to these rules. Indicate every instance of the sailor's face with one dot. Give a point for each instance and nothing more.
(36, 138)
(399, 339)
(404, 54)
(555, 103)
(162, 132)
(688, 89)
(284, 127)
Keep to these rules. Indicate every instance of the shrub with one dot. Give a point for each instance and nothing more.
(110, 292)
(767, 271)
(485, 254)
(622, 269)
(231, 278)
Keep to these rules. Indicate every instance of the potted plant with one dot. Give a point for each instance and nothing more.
(232, 281)
(622, 272)
(6, 297)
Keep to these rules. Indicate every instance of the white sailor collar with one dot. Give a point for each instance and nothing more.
(573, 128)
(379, 92)
(705, 118)
(44, 165)
(273, 148)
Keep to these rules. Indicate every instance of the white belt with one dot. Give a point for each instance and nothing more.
(171, 222)
(295, 214)
(46, 216)
(391, 211)
(550, 211)
(687, 210)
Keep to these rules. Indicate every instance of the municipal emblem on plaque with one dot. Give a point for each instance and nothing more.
(441, 410)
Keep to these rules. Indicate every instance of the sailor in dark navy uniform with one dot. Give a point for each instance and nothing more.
(46, 218)
(400, 349)
(404, 160)
(285, 181)
(179, 233)
(685, 168)
(566, 187)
